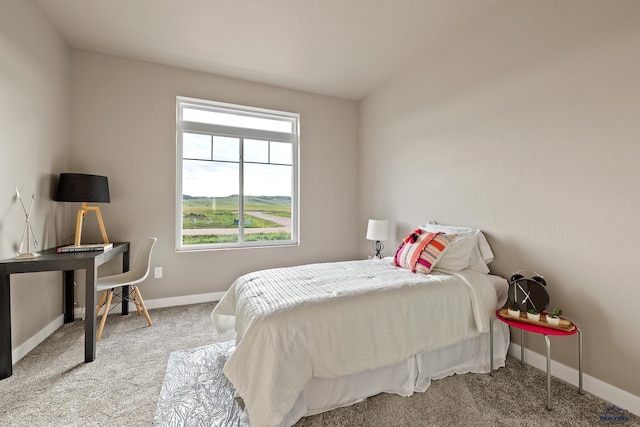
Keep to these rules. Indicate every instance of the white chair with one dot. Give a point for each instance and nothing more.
(137, 274)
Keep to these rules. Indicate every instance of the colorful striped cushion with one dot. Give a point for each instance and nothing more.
(433, 252)
(420, 251)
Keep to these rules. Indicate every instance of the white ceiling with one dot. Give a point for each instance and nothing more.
(342, 48)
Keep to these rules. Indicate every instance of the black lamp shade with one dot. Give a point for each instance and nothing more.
(78, 187)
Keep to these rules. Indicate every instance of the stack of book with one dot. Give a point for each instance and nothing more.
(85, 248)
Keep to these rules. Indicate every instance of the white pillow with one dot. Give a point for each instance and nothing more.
(470, 249)
(502, 289)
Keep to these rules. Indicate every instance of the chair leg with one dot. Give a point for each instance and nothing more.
(141, 301)
(134, 298)
(103, 297)
(104, 315)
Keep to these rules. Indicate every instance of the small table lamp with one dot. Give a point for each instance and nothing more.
(378, 229)
(77, 187)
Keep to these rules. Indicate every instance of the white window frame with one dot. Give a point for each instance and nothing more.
(242, 133)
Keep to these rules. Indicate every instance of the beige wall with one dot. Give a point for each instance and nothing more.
(35, 84)
(123, 116)
(524, 123)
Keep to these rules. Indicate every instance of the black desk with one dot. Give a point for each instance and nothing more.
(50, 260)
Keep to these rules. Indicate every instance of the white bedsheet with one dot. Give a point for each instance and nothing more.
(335, 319)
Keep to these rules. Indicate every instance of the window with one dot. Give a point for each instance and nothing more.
(237, 175)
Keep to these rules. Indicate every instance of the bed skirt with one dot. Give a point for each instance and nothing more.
(404, 378)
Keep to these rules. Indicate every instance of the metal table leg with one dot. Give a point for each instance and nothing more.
(548, 341)
(491, 345)
(580, 389)
(522, 347)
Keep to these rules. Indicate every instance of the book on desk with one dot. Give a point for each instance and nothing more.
(102, 247)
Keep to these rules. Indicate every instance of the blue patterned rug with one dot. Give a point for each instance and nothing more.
(195, 391)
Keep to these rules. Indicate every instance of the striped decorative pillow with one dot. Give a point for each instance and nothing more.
(420, 251)
(433, 251)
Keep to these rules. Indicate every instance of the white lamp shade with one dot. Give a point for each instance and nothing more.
(378, 229)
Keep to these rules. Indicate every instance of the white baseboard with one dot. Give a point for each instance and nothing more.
(78, 313)
(618, 397)
(185, 300)
(23, 349)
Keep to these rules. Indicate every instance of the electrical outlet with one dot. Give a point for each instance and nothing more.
(157, 273)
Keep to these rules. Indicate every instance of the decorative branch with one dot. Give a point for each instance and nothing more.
(28, 229)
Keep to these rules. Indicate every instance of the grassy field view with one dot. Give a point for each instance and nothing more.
(222, 213)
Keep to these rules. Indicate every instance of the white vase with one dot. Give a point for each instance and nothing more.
(513, 313)
(534, 317)
(553, 320)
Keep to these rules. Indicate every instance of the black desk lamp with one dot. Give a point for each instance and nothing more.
(77, 187)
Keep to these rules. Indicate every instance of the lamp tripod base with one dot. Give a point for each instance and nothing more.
(80, 217)
(378, 246)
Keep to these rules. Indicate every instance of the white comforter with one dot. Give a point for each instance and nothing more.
(333, 319)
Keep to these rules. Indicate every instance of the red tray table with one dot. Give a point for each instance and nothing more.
(543, 330)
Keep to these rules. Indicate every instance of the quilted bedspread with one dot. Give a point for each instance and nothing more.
(334, 319)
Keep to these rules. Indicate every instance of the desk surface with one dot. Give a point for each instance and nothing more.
(51, 260)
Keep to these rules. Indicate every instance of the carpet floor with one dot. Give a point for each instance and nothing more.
(196, 393)
(141, 374)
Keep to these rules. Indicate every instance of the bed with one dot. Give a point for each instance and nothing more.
(315, 337)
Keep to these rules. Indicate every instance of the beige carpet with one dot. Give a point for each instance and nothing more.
(51, 386)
